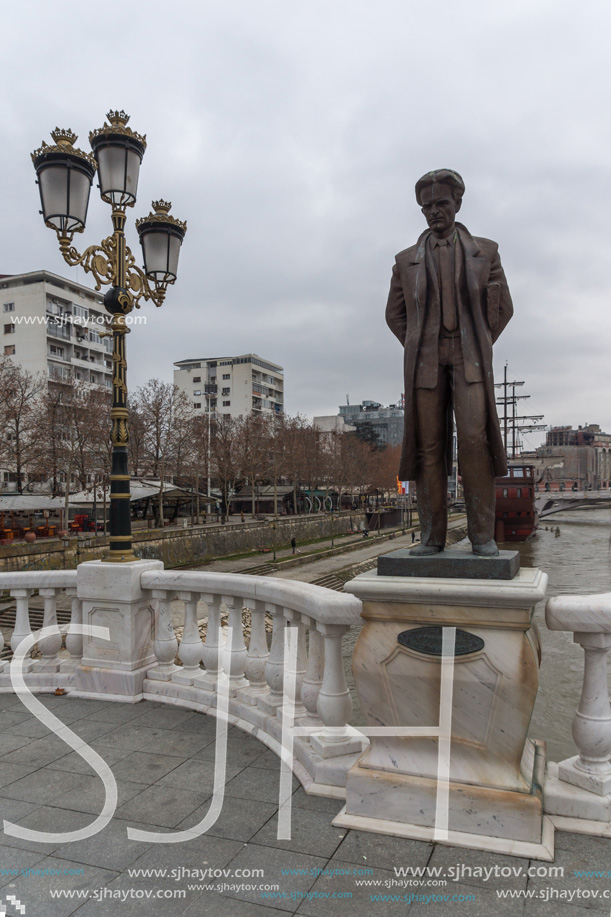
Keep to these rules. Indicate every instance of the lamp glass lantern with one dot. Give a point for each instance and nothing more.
(64, 178)
(118, 152)
(161, 236)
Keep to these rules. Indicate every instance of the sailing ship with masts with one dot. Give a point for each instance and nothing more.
(516, 514)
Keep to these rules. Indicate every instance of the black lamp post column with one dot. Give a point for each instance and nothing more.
(120, 510)
(119, 303)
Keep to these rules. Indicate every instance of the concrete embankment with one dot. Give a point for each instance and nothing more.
(183, 546)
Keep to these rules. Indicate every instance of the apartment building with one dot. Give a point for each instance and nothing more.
(52, 325)
(232, 386)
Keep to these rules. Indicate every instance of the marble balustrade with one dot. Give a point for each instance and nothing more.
(257, 672)
(323, 743)
(47, 667)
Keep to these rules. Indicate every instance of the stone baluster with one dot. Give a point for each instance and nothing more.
(334, 701)
(214, 638)
(258, 654)
(235, 654)
(165, 644)
(313, 676)
(296, 711)
(22, 623)
(51, 645)
(591, 768)
(274, 670)
(74, 639)
(191, 648)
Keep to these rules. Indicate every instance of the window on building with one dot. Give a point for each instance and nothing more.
(198, 392)
(9, 350)
(56, 351)
(197, 378)
(226, 375)
(94, 337)
(9, 306)
(9, 329)
(226, 404)
(226, 391)
(197, 404)
(519, 492)
(80, 311)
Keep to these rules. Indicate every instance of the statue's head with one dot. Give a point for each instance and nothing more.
(441, 177)
(439, 194)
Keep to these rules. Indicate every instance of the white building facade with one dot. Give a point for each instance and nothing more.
(232, 386)
(51, 325)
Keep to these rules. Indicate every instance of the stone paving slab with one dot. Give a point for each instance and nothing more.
(164, 769)
(33, 890)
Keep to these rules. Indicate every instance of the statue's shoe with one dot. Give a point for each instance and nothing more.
(489, 549)
(422, 549)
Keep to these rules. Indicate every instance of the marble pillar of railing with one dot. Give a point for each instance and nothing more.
(274, 670)
(191, 648)
(235, 655)
(312, 681)
(165, 644)
(334, 700)
(22, 627)
(215, 639)
(258, 654)
(74, 635)
(51, 644)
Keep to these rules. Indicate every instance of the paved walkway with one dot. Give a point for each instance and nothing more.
(163, 761)
(310, 570)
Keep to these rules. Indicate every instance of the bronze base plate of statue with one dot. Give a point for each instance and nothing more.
(456, 562)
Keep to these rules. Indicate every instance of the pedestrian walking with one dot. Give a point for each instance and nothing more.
(293, 544)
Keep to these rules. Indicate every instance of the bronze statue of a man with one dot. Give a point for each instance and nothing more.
(448, 303)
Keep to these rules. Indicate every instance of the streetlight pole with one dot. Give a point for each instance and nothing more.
(64, 176)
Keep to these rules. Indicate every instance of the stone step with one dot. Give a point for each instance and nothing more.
(330, 581)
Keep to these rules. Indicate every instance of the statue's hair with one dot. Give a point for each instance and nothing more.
(441, 177)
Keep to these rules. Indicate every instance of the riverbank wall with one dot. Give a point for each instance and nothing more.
(182, 546)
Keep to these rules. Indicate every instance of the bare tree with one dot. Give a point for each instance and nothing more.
(20, 442)
(164, 416)
(227, 458)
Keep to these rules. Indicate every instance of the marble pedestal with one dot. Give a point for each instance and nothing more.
(112, 598)
(494, 778)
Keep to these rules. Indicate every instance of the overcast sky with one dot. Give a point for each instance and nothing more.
(290, 136)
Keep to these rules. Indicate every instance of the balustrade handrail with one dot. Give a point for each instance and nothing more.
(322, 605)
(579, 613)
(38, 579)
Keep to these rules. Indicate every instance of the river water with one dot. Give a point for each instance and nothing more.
(577, 562)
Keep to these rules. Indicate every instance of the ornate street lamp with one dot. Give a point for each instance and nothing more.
(64, 176)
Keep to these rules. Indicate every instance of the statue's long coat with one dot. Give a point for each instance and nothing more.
(413, 314)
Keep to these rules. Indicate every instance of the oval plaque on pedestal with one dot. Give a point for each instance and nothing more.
(429, 641)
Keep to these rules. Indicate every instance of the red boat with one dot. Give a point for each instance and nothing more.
(516, 516)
